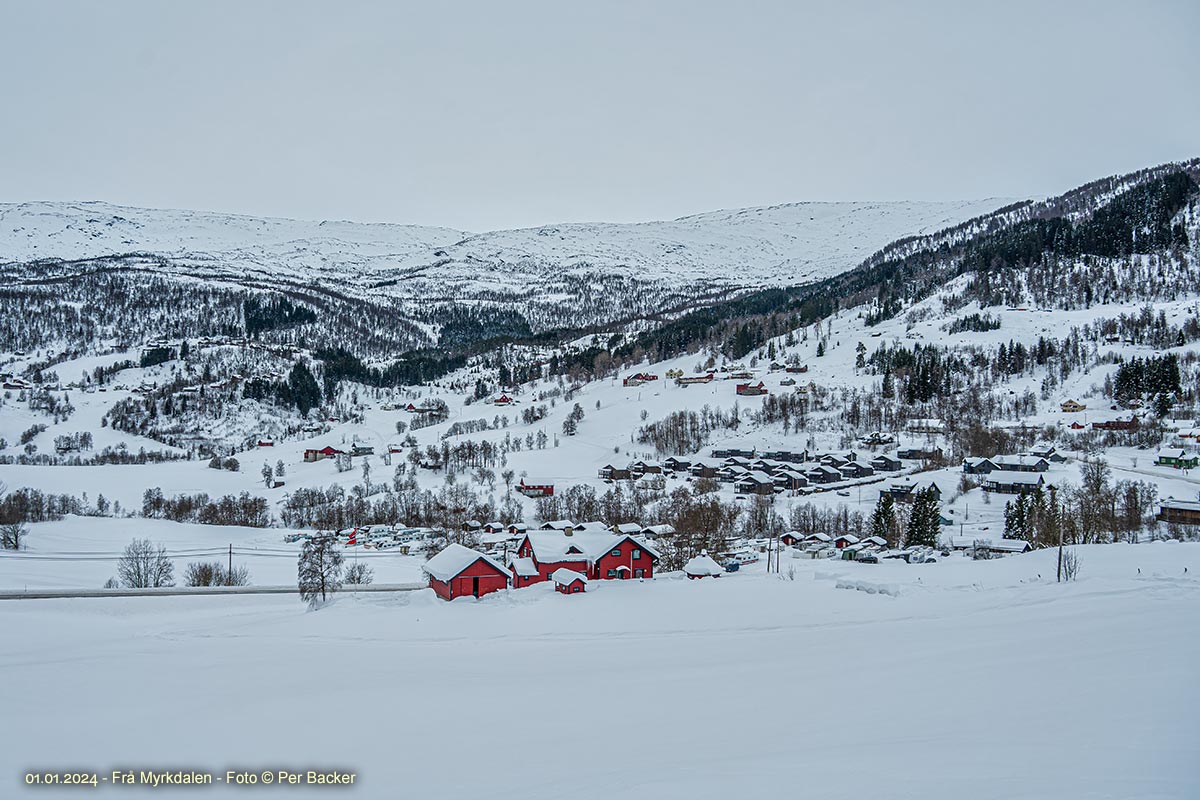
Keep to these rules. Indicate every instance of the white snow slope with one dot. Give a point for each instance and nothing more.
(779, 244)
(974, 679)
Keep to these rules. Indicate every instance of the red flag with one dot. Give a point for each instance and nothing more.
(353, 537)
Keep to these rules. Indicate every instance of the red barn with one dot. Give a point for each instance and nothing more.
(459, 571)
(568, 581)
(503, 400)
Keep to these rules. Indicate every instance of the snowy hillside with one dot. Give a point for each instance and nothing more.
(780, 244)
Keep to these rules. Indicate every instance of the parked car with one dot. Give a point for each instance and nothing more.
(867, 559)
(732, 566)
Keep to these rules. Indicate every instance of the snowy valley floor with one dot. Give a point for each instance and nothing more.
(976, 679)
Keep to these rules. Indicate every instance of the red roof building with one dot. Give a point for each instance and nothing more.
(535, 488)
(459, 571)
(598, 555)
(568, 581)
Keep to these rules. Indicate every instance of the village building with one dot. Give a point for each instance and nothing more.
(535, 488)
(1020, 463)
(751, 390)
(822, 474)
(658, 531)
(599, 555)
(790, 480)
(856, 470)
(733, 452)
(564, 525)
(312, 454)
(845, 540)
(1129, 424)
(612, 473)
(691, 379)
(675, 464)
(797, 370)
(1072, 407)
(907, 492)
(978, 466)
(791, 538)
(1177, 458)
(700, 469)
(702, 566)
(524, 572)
(459, 571)
(920, 454)
(886, 463)
(1179, 512)
(1012, 482)
(640, 468)
(568, 581)
(756, 482)
(503, 400)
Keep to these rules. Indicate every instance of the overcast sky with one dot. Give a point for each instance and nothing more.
(502, 114)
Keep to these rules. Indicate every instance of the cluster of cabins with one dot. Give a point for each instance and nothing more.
(1014, 474)
(786, 471)
(772, 471)
(568, 554)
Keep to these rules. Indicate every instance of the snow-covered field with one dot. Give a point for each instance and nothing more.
(979, 679)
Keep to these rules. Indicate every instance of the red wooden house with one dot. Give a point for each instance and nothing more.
(327, 451)
(503, 400)
(535, 488)
(599, 555)
(568, 581)
(459, 571)
(751, 390)
(265, 443)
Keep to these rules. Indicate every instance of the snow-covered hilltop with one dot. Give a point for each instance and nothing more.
(783, 244)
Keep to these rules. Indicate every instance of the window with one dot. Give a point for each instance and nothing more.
(616, 552)
(612, 573)
(639, 573)
(637, 554)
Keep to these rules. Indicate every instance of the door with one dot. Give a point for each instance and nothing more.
(475, 587)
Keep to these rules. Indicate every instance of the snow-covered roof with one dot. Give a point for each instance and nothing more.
(702, 564)
(758, 476)
(1010, 545)
(523, 567)
(594, 525)
(565, 577)
(847, 537)
(818, 537)
(1019, 478)
(1181, 505)
(558, 525)
(877, 540)
(659, 530)
(454, 559)
(552, 547)
(628, 527)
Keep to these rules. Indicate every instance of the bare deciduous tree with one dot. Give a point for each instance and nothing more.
(359, 574)
(145, 565)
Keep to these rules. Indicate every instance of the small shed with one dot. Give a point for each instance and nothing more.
(568, 581)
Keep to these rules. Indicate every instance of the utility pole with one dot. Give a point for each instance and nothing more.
(229, 575)
(1060, 551)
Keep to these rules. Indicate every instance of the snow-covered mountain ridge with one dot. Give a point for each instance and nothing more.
(775, 245)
